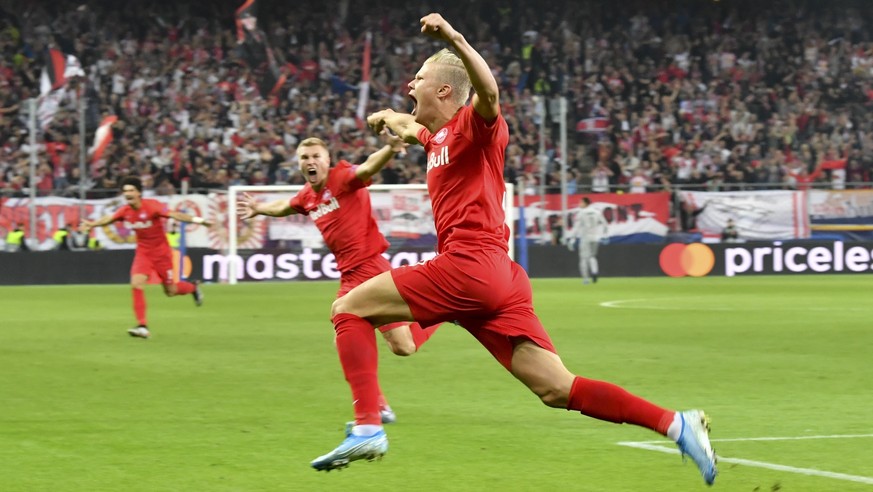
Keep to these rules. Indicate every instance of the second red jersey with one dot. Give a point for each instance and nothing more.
(465, 180)
(343, 214)
(147, 222)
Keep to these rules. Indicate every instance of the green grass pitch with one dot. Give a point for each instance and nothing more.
(240, 394)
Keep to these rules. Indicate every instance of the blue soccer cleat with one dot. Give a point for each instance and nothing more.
(353, 448)
(694, 442)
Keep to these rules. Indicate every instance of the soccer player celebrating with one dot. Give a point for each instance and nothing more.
(337, 200)
(153, 254)
(472, 279)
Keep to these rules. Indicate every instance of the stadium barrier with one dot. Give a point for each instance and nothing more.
(545, 261)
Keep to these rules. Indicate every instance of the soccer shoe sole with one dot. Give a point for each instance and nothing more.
(198, 294)
(132, 332)
(698, 424)
(342, 459)
(388, 416)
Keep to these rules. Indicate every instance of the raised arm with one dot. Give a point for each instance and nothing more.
(486, 100)
(401, 124)
(378, 159)
(249, 207)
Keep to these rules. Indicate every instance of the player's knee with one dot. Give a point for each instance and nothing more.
(344, 305)
(339, 306)
(554, 400)
(552, 396)
(169, 290)
(403, 349)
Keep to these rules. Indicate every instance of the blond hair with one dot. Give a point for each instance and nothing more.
(452, 72)
(312, 142)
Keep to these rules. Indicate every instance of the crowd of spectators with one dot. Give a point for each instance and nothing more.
(706, 95)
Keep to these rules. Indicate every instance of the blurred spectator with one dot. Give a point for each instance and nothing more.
(739, 98)
(15, 240)
(729, 233)
(61, 238)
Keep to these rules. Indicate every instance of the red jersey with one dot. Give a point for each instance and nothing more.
(148, 223)
(465, 180)
(342, 212)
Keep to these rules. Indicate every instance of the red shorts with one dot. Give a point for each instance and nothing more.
(360, 274)
(485, 292)
(160, 265)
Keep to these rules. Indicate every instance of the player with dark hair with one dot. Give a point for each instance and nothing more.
(472, 279)
(337, 200)
(153, 254)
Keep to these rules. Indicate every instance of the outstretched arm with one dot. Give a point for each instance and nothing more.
(183, 217)
(401, 124)
(87, 225)
(378, 159)
(249, 207)
(486, 100)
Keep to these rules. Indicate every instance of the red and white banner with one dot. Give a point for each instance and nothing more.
(399, 214)
(841, 207)
(53, 213)
(631, 217)
(592, 125)
(757, 215)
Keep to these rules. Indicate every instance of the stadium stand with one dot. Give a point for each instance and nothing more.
(706, 95)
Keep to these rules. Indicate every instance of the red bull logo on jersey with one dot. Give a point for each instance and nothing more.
(143, 224)
(324, 209)
(436, 160)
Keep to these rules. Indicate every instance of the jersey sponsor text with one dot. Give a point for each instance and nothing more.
(434, 160)
(325, 208)
(143, 224)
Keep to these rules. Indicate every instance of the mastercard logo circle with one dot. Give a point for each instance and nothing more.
(680, 260)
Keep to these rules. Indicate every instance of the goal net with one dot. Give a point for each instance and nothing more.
(292, 248)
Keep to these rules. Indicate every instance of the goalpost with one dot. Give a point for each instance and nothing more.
(403, 214)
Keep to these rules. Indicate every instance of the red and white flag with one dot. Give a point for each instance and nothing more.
(834, 164)
(102, 137)
(592, 125)
(59, 68)
(52, 77)
(364, 88)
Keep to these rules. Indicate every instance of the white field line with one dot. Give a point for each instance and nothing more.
(677, 304)
(660, 447)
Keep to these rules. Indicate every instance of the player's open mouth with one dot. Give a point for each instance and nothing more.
(414, 104)
(312, 173)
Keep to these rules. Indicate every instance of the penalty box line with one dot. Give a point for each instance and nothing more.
(660, 447)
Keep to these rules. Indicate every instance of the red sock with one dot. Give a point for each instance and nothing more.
(356, 345)
(139, 306)
(183, 288)
(383, 403)
(420, 335)
(606, 401)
